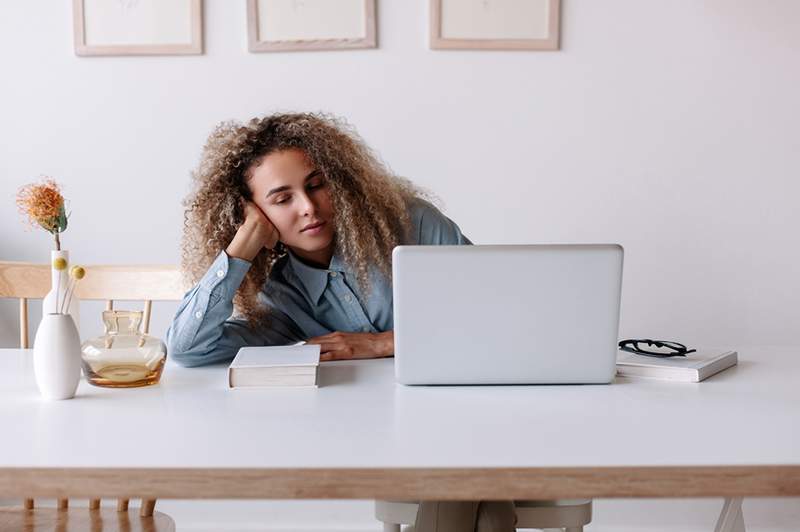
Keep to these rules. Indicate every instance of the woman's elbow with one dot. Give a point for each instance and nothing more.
(187, 359)
(181, 352)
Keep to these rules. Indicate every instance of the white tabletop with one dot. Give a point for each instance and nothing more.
(359, 418)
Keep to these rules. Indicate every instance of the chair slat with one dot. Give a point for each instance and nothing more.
(23, 323)
(148, 307)
(131, 283)
(24, 279)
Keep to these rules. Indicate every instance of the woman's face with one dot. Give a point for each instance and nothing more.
(294, 195)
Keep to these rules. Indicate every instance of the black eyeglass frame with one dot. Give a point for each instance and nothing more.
(631, 346)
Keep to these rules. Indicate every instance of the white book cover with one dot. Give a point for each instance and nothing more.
(290, 365)
(692, 368)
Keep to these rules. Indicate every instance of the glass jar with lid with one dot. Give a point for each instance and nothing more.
(123, 357)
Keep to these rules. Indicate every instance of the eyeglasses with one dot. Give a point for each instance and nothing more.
(663, 348)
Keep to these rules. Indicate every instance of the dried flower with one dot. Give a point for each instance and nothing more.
(43, 204)
(59, 264)
(77, 273)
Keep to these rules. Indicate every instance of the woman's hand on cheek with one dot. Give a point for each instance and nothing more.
(255, 233)
(347, 346)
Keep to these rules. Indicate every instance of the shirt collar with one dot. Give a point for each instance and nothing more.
(314, 280)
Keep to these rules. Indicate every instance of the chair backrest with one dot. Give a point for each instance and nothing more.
(24, 280)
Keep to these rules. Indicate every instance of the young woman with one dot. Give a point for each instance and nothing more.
(292, 222)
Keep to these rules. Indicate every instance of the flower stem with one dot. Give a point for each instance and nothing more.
(58, 289)
(65, 303)
(58, 242)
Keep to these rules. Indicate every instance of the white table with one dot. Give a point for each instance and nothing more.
(362, 436)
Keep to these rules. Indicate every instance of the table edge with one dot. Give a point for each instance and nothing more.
(403, 483)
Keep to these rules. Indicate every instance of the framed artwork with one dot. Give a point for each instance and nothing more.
(138, 27)
(495, 24)
(290, 25)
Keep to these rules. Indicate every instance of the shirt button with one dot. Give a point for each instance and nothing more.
(333, 274)
(220, 274)
(198, 314)
(348, 298)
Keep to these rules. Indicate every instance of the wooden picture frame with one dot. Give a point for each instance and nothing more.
(126, 27)
(514, 25)
(298, 25)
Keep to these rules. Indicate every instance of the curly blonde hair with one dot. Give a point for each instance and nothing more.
(370, 203)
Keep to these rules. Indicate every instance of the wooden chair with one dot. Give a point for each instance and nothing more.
(570, 515)
(94, 519)
(26, 281)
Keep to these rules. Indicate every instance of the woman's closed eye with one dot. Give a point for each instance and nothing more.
(315, 184)
(311, 187)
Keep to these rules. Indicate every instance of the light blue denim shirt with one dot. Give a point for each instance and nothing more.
(304, 302)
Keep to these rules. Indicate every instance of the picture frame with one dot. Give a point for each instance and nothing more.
(495, 24)
(298, 25)
(137, 27)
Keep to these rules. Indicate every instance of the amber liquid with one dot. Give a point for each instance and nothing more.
(124, 375)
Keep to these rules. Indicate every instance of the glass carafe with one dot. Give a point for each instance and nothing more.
(123, 357)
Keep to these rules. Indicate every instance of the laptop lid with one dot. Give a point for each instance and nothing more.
(533, 314)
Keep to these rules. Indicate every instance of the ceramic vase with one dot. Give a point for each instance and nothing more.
(57, 356)
(58, 287)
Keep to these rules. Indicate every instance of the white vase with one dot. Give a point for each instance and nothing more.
(58, 285)
(57, 357)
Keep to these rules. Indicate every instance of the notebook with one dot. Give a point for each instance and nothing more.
(287, 365)
(692, 368)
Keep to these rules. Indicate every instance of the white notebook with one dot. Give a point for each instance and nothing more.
(692, 368)
(286, 365)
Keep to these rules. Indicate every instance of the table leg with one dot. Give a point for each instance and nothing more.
(731, 518)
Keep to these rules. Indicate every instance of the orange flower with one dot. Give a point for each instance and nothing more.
(43, 204)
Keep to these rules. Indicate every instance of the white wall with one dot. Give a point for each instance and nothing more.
(670, 127)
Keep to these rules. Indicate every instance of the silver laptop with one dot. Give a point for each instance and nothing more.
(539, 314)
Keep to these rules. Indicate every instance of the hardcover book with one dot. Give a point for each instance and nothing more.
(286, 365)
